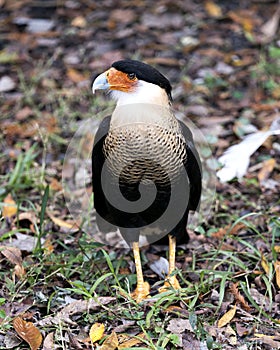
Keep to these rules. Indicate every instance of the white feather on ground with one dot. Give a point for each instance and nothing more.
(236, 159)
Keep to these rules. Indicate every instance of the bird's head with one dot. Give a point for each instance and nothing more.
(131, 81)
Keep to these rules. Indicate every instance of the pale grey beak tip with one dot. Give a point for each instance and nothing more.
(100, 83)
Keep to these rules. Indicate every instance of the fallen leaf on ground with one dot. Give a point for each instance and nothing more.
(245, 18)
(111, 343)
(28, 332)
(128, 343)
(266, 339)
(239, 298)
(267, 168)
(264, 264)
(78, 306)
(179, 325)
(55, 185)
(277, 272)
(96, 332)
(11, 340)
(227, 317)
(49, 342)
(19, 271)
(262, 300)
(75, 76)
(241, 329)
(12, 254)
(79, 22)
(48, 246)
(231, 335)
(229, 229)
(24, 242)
(9, 207)
(27, 216)
(270, 28)
(71, 225)
(24, 113)
(213, 9)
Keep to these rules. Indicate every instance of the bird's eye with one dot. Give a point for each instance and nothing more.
(131, 76)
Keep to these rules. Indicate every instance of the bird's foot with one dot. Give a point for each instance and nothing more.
(170, 282)
(141, 292)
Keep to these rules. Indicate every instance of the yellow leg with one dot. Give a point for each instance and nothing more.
(171, 281)
(143, 288)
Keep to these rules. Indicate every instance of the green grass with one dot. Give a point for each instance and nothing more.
(72, 264)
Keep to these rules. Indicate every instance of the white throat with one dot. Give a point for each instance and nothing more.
(144, 93)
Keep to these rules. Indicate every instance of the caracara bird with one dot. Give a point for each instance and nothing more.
(146, 173)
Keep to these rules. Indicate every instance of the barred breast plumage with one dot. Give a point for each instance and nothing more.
(145, 150)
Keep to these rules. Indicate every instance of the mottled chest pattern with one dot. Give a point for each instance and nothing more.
(145, 152)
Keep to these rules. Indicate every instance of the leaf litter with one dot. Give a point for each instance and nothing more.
(223, 61)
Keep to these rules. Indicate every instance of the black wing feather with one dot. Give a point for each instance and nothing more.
(193, 168)
(103, 216)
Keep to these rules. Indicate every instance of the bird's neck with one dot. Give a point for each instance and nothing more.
(145, 114)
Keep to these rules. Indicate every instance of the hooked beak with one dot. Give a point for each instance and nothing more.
(100, 83)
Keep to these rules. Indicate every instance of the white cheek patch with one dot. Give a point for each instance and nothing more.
(143, 93)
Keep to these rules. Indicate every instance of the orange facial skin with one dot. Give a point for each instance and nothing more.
(121, 81)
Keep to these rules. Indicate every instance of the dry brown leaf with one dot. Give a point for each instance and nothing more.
(277, 272)
(229, 247)
(24, 113)
(179, 325)
(120, 15)
(227, 317)
(174, 308)
(228, 229)
(79, 22)
(48, 246)
(75, 76)
(28, 216)
(269, 29)
(132, 341)
(23, 130)
(260, 299)
(239, 297)
(55, 185)
(213, 9)
(245, 18)
(275, 92)
(231, 335)
(12, 254)
(267, 339)
(75, 307)
(267, 168)
(19, 271)
(71, 225)
(96, 332)
(264, 264)
(9, 207)
(49, 342)
(47, 123)
(28, 332)
(111, 343)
